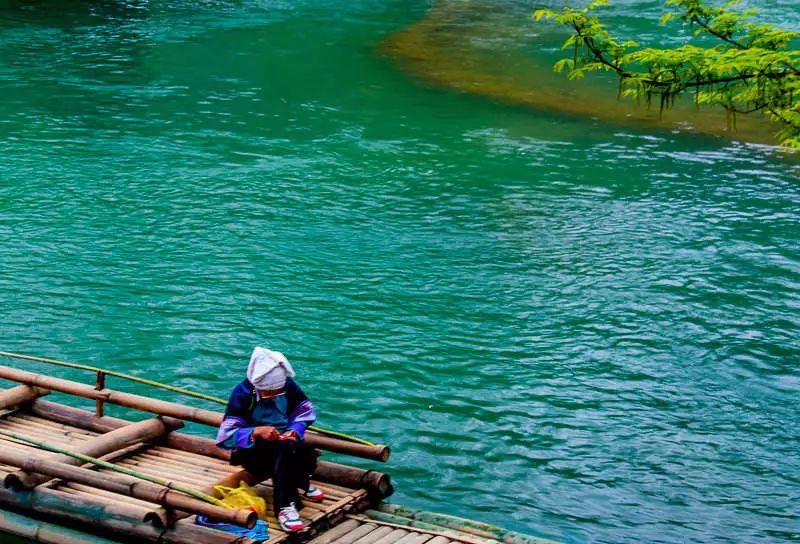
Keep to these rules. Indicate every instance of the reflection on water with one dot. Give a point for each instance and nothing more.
(495, 49)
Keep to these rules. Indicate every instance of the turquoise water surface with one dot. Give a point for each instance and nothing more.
(567, 328)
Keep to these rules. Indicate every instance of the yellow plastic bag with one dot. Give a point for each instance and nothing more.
(243, 497)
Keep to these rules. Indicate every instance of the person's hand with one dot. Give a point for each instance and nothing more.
(290, 435)
(266, 433)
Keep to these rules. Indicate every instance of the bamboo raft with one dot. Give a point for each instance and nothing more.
(72, 491)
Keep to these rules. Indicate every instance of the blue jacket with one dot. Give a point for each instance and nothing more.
(291, 410)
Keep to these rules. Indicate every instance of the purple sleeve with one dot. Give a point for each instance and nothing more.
(301, 417)
(233, 434)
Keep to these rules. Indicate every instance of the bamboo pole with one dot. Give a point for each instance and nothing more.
(11, 481)
(190, 475)
(98, 446)
(128, 400)
(186, 460)
(44, 433)
(83, 419)
(29, 419)
(374, 536)
(140, 490)
(160, 472)
(379, 484)
(45, 533)
(378, 452)
(411, 538)
(18, 422)
(111, 517)
(20, 395)
(461, 525)
(383, 518)
(477, 528)
(355, 534)
(100, 384)
(190, 456)
(152, 383)
(83, 490)
(184, 463)
(392, 537)
(340, 530)
(75, 417)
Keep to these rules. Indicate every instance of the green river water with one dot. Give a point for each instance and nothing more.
(564, 326)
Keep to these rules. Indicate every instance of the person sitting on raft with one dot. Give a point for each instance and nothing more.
(264, 424)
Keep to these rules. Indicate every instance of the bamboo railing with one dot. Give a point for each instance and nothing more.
(378, 452)
(101, 374)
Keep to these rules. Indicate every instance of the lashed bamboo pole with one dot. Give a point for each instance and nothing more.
(29, 419)
(11, 481)
(188, 474)
(187, 465)
(373, 536)
(114, 518)
(19, 395)
(45, 533)
(75, 417)
(340, 530)
(81, 490)
(129, 400)
(100, 384)
(82, 419)
(101, 445)
(395, 535)
(127, 486)
(378, 483)
(42, 431)
(374, 516)
(378, 452)
(477, 528)
(182, 391)
(39, 431)
(461, 525)
(412, 538)
(184, 460)
(356, 533)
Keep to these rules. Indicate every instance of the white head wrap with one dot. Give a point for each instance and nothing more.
(268, 369)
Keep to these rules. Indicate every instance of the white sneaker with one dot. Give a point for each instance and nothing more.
(289, 519)
(314, 494)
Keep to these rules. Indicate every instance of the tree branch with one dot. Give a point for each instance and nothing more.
(704, 25)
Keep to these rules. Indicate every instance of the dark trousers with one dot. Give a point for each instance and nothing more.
(289, 464)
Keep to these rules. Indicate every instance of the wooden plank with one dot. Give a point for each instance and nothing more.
(374, 536)
(424, 528)
(392, 537)
(355, 534)
(334, 508)
(340, 530)
(410, 538)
